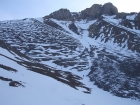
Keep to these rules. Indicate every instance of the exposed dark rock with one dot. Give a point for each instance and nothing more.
(109, 9)
(130, 68)
(132, 13)
(73, 28)
(5, 79)
(93, 12)
(137, 18)
(127, 23)
(7, 68)
(121, 15)
(119, 35)
(61, 14)
(121, 79)
(96, 10)
(76, 15)
(11, 82)
(15, 84)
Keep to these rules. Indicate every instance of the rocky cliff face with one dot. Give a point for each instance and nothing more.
(121, 33)
(137, 18)
(121, 15)
(109, 9)
(94, 12)
(62, 14)
(91, 13)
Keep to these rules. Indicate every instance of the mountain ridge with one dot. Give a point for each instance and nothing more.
(94, 12)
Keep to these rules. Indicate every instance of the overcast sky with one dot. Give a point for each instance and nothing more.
(18, 9)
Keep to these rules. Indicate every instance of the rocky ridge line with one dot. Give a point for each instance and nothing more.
(95, 11)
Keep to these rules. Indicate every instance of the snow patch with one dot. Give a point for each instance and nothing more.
(131, 17)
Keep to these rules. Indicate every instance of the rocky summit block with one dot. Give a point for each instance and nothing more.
(109, 9)
(61, 14)
(94, 12)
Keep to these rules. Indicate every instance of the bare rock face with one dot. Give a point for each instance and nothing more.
(137, 18)
(96, 10)
(121, 15)
(15, 84)
(109, 9)
(73, 27)
(93, 12)
(62, 14)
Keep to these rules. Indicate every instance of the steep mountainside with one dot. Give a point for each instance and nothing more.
(20, 86)
(100, 46)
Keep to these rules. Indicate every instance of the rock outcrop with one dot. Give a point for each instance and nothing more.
(61, 14)
(94, 12)
(121, 15)
(137, 18)
(73, 27)
(109, 9)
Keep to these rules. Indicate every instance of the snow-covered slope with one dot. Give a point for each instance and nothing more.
(52, 63)
(107, 60)
(37, 89)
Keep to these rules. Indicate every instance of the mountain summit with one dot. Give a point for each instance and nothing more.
(95, 11)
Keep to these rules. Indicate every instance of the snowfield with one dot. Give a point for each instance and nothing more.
(42, 90)
(56, 49)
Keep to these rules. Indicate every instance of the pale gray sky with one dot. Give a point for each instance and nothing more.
(18, 9)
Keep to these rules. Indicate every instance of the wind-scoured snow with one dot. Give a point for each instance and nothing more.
(64, 25)
(87, 41)
(40, 90)
(116, 22)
